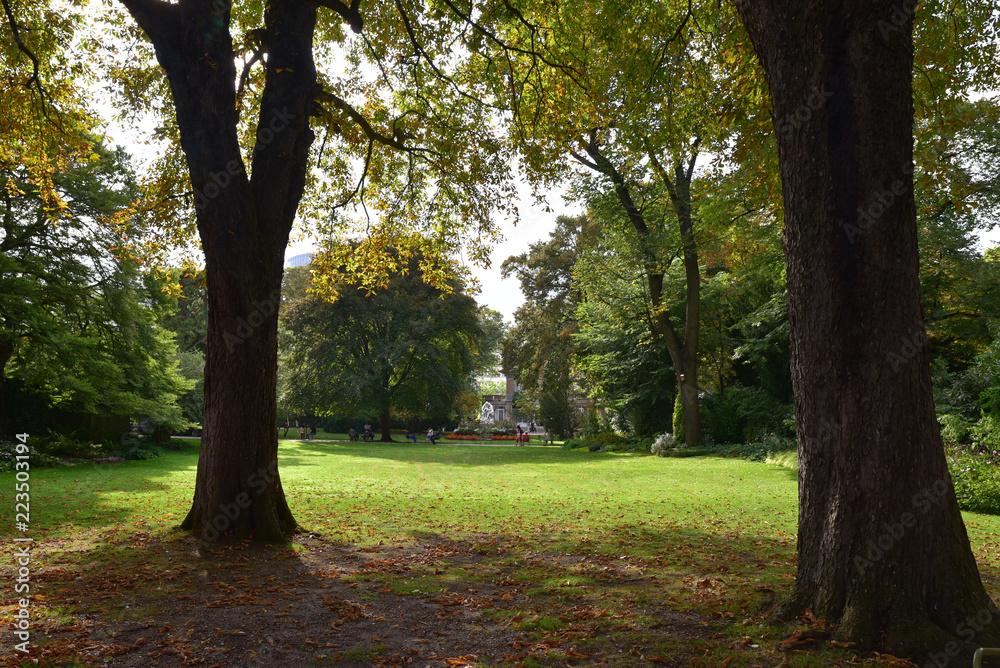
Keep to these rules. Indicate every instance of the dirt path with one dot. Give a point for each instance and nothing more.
(144, 602)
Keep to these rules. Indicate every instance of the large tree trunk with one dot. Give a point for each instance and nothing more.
(383, 419)
(687, 373)
(683, 349)
(6, 352)
(882, 547)
(244, 225)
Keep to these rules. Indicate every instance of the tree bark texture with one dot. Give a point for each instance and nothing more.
(683, 349)
(244, 223)
(6, 352)
(384, 419)
(883, 550)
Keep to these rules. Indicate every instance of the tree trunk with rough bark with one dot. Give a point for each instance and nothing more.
(244, 223)
(384, 418)
(6, 352)
(883, 551)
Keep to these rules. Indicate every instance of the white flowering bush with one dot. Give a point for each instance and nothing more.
(663, 444)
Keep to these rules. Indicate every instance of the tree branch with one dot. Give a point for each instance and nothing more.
(407, 24)
(396, 141)
(25, 50)
(158, 19)
(583, 161)
(257, 56)
(350, 13)
(569, 71)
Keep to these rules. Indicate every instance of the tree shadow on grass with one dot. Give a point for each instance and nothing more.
(440, 595)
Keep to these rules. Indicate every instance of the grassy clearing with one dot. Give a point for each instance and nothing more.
(606, 558)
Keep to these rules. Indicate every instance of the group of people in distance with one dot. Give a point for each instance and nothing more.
(432, 435)
(368, 434)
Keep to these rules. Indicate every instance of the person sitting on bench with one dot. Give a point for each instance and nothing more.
(410, 436)
(431, 436)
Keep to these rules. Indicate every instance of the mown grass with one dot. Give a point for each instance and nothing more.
(393, 492)
(717, 534)
(371, 492)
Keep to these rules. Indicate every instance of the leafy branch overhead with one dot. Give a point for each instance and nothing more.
(407, 138)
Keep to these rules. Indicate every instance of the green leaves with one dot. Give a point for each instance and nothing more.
(78, 321)
(404, 346)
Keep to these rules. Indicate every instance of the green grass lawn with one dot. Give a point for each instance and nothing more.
(636, 536)
(397, 491)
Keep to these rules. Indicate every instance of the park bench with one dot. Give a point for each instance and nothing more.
(977, 658)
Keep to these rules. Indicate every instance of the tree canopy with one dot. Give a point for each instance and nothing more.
(78, 324)
(407, 349)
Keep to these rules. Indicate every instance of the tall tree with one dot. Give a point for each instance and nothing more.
(187, 318)
(407, 348)
(77, 324)
(882, 547)
(636, 120)
(396, 127)
(538, 350)
(44, 122)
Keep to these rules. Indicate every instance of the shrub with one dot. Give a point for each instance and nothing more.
(977, 478)
(606, 441)
(678, 419)
(142, 452)
(129, 441)
(662, 444)
(615, 446)
(175, 444)
(9, 452)
(771, 446)
(744, 414)
(986, 432)
(66, 445)
(787, 458)
(955, 428)
(592, 424)
(642, 443)
(720, 422)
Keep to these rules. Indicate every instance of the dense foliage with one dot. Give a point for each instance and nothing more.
(406, 349)
(78, 324)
